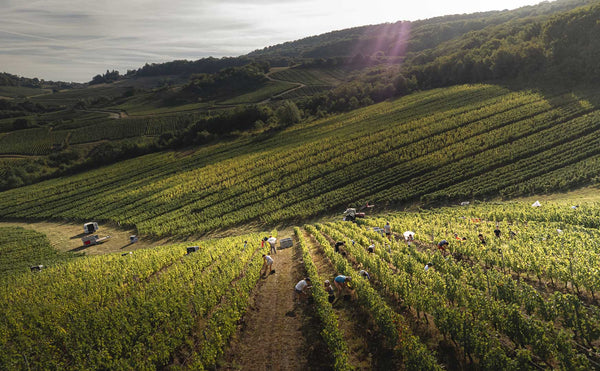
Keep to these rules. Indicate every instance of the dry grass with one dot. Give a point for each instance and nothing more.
(67, 237)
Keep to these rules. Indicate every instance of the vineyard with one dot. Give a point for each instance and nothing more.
(524, 298)
(41, 141)
(312, 76)
(431, 185)
(454, 144)
(312, 80)
(140, 310)
(20, 91)
(21, 249)
(270, 89)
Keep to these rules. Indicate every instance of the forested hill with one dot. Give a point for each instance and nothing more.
(557, 40)
(418, 35)
(413, 43)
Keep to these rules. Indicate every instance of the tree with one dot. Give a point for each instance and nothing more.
(288, 113)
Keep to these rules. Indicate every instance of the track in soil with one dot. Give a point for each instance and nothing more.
(276, 333)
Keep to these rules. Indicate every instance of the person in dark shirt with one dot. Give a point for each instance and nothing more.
(481, 239)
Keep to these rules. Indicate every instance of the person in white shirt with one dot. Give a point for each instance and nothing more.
(272, 240)
(388, 230)
(267, 265)
(364, 273)
(301, 289)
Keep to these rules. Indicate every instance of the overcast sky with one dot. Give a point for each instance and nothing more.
(73, 40)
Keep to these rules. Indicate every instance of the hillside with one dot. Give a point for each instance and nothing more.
(217, 154)
(49, 130)
(454, 144)
(417, 36)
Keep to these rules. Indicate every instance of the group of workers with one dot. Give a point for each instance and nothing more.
(341, 283)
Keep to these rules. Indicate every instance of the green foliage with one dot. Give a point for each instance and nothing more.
(21, 249)
(312, 76)
(108, 77)
(183, 67)
(9, 108)
(288, 113)
(331, 332)
(227, 82)
(267, 91)
(533, 288)
(19, 124)
(436, 146)
(8, 80)
(141, 310)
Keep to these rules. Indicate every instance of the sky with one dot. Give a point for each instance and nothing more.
(74, 40)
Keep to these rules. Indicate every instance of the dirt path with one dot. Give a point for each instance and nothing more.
(271, 337)
(111, 114)
(67, 237)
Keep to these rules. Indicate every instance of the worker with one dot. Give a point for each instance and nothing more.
(481, 239)
(497, 232)
(301, 289)
(442, 245)
(363, 273)
(341, 283)
(330, 291)
(388, 230)
(371, 248)
(272, 240)
(267, 265)
(337, 246)
(409, 239)
(428, 265)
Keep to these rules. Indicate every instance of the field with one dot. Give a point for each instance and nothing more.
(312, 76)
(19, 91)
(270, 89)
(23, 248)
(462, 143)
(122, 296)
(40, 141)
(524, 300)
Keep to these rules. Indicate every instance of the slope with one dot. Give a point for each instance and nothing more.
(432, 146)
